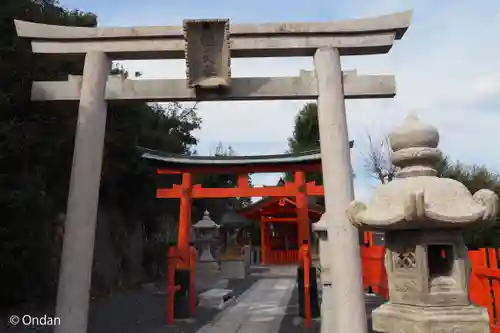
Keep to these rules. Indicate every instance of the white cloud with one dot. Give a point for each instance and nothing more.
(447, 68)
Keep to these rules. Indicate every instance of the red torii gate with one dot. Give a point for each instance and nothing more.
(298, 164)
(187, 191)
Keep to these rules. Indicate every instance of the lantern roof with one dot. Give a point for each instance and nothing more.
(417, 198)
(320, 226)
(206, 222)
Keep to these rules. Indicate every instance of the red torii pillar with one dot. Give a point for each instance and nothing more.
(302, 208)
(185, 219)
(263, 241)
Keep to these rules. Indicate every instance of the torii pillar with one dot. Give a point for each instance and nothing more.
(345, 273)
(81, 218)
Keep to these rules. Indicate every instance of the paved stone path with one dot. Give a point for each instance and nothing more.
(261, 308)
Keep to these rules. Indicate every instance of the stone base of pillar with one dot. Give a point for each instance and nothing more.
(327, 309)
(397, 318)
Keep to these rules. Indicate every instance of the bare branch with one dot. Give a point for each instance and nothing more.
(378, 160)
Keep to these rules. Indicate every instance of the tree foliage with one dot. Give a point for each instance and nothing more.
(36, 143)
(306, 131)
(306, 137)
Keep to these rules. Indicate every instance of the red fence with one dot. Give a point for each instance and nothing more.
(374, 275)
(282, 257)
(484, 288)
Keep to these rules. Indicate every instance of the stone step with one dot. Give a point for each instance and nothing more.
(216, 298)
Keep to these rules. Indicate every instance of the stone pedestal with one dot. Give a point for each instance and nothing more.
(216, 298)
(444, 319)
(207, 270)
(234, 269)
(247, 256)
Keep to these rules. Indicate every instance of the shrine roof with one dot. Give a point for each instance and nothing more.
(269, 203)
(176, 159)
(311, 158)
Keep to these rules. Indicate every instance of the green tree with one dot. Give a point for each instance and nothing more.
(305, 137)
(306, 131)
(478, 177)
(34, 155)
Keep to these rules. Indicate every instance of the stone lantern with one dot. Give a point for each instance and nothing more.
(206, 231)
(320, 228)
(235, 259)
(207, 267)
(426, 259)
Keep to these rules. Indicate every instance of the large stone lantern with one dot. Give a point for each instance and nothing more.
(426, 259)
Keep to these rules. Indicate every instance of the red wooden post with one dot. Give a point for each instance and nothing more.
(269, 251)
(307, 283)
(262, 241)
(185, 219)
(302, 207)
(243, 180)
(171, 288)
(192, 280)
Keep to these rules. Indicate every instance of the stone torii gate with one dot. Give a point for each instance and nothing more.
(207, 46)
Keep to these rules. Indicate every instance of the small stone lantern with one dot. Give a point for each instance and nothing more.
(426, 259)
(206, 231)
(320, 228)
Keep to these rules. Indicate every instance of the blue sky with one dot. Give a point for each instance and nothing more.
(447, 70)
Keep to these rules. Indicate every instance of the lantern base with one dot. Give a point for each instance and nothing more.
(399, 318)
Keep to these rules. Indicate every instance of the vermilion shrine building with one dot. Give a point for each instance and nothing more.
(279, 227)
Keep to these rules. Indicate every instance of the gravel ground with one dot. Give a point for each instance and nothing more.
(292, 323)
(142, 311)
(135, 311)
